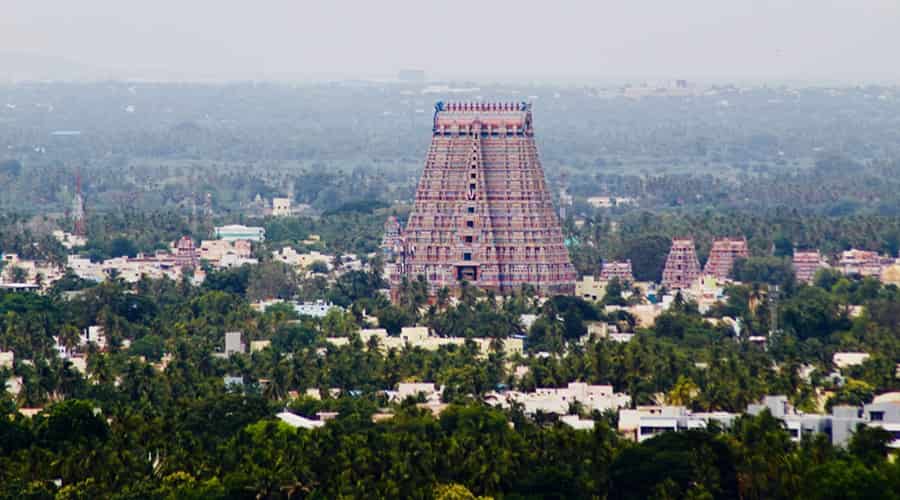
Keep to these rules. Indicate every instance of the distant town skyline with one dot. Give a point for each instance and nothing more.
(803, 40)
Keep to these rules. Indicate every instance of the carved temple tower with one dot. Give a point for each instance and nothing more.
(483, 212)
(682, 266)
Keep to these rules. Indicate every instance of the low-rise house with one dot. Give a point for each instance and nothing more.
(847, 359)
(28, 272)
(85, 269)
(590, 288)
(302, 261)
(862, 263)
(213, 251)
(647, 421)
(7, 360)
(93, 335)
(429, 390)
(69, 240)
(259, 345)
(419, 336)
(317, 309)
(577, 423)
(298, 421)
(644, 314)
(233, 343)
(281, 207)
(559, 400)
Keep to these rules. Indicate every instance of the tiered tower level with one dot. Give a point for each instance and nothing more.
(723, 254)
(682, 267)
(483, 212)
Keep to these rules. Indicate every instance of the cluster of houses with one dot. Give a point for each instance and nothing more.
(232, 247)
(569, 404)
(421, 337)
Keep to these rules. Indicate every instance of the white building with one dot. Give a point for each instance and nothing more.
(85, 269)
(33, 271)
(93, 335)
(847, 359)
(419, 336)
(235, 232)
(214, 251)
(297, 421)
(317, 309)
(281, 207)
(7, 359)
(69, 240)
(233, 343)
(302, 261)
(558, 400)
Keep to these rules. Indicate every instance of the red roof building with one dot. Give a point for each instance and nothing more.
(483, 212)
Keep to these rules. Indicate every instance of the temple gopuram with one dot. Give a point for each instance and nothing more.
(483, 213)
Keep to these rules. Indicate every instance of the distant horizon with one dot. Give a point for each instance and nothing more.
(519, 41)
(78, 73)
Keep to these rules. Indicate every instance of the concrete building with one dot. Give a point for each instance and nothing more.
(419, 336)
(85, 269)
(69, 240)
(93, 335)
(558, 400)
(302, 261)
(483, 162)
(259, 345)
(32, 272)
(645, 422)
(429, 390)
(890, 275)
(281, 207)
(298, 421)
(7, 360)
(213, 251)
(317, 309)
(235, 232)
(862, 263)
(590, 289)
(233, 343)
(847, 359)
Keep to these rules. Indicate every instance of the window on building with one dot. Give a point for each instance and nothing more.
(467, 256)
(471, 210)
(876, 416)
(470, 223)
(469, 239)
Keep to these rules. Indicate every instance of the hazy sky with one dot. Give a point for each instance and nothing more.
(277, 39)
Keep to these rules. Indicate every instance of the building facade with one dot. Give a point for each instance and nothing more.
(483, 213)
